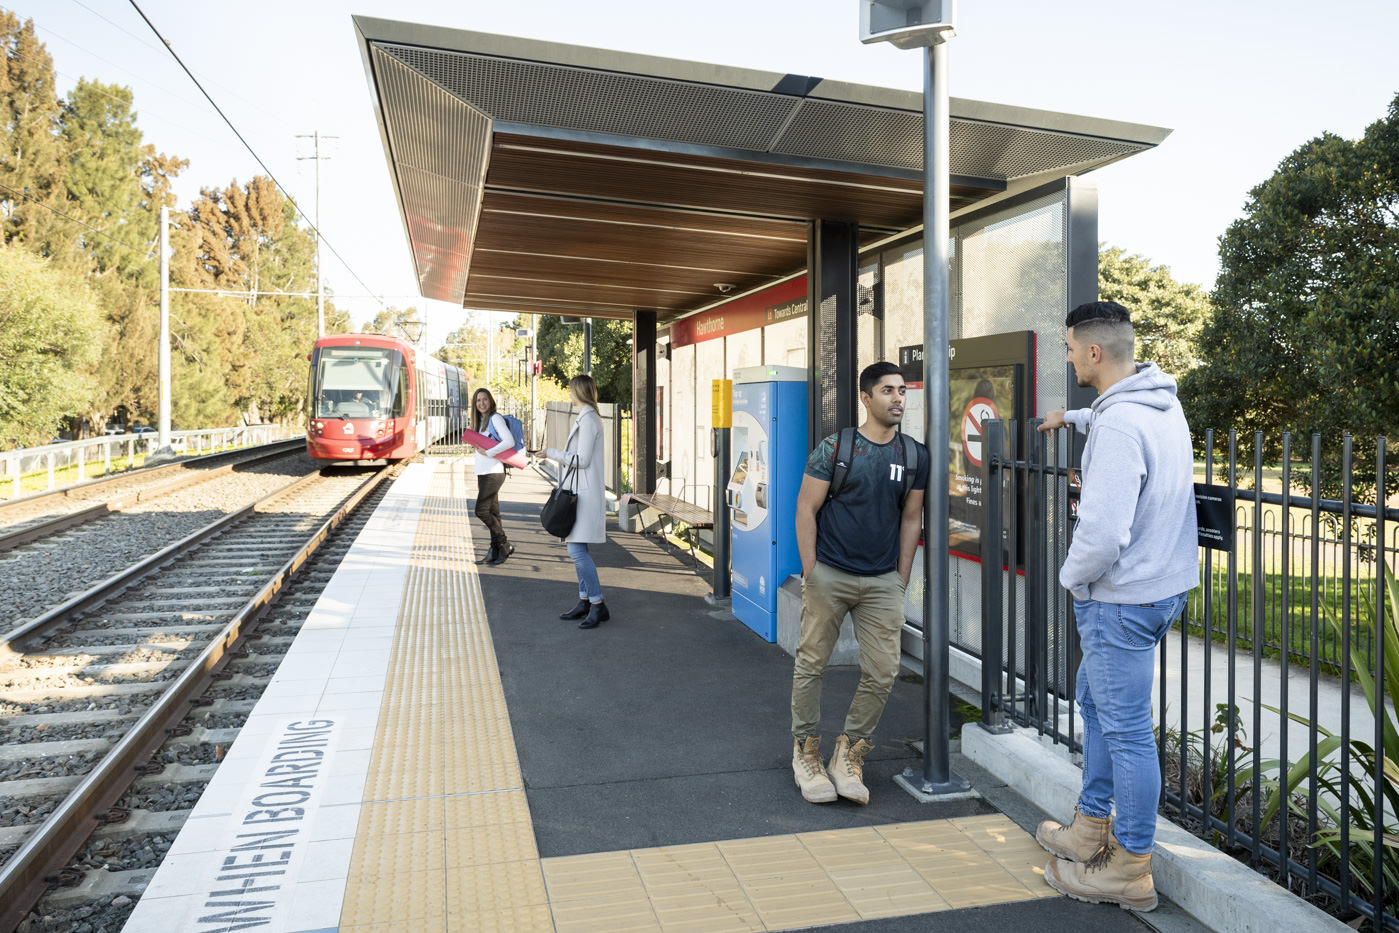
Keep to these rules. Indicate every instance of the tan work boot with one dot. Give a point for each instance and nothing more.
(1113, 876)
(847, 769)
(1077, 842)
(810, 773)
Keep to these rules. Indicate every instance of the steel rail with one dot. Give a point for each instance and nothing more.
(275, 449)
(26, 876)
(117, 582)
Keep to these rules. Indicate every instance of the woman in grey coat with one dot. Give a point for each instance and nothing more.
(590, 526)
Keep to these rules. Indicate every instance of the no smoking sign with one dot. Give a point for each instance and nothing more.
(977, 411)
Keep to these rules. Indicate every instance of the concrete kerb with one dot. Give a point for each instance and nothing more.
(1221, 893)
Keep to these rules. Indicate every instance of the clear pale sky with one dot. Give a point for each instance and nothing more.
(1241, 84)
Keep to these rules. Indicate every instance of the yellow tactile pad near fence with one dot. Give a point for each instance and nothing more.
(445, 841)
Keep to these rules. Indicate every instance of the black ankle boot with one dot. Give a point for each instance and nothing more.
(490, 555)
(577, 612)
(504, 551)
(597, 614)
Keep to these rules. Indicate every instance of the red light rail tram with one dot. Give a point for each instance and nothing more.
(373, 397)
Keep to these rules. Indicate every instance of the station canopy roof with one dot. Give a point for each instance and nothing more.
(545, 178)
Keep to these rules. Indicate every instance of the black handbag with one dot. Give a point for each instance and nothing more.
(561, 508)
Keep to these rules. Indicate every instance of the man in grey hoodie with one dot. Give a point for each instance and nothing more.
(1133, 559)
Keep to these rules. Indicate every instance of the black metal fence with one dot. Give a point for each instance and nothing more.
(1275, 694)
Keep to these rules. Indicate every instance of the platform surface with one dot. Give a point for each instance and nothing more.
(439, 752)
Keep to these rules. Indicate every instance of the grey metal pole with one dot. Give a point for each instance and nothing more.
(533, 332)
(937, 778)
(723, 453)
(588, 346)
(163, 356)
(320, 283)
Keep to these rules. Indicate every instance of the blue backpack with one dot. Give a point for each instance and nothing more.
(517, 430)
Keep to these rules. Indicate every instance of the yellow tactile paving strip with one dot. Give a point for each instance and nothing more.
(445, 842)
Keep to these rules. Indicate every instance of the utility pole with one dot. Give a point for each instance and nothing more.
(163, 352)
(320, 284)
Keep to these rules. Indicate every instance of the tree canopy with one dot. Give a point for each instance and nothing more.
(1167, 315)
(1305, 334)
(51, 333)
(560, 347)
(80, 194)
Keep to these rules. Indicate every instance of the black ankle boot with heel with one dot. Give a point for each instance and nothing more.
(502, 552)
(490, 555)
(577, 612)
(597, 614)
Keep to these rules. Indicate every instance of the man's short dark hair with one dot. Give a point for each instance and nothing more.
(874, 372)
(1107, 324)
(1109, 312)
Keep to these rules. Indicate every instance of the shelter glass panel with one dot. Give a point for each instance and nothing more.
(682, 422)
(710, 364)
(784, 344)
(745, 349)
(1013, 275)
(903, 298)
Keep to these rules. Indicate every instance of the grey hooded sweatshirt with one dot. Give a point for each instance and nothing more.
(1135, 540)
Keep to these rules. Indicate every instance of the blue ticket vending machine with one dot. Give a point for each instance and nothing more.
(769, 454)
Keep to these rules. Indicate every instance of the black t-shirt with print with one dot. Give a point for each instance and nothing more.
(858, 530)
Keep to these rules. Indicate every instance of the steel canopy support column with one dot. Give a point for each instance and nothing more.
(643, 400)
(833, 265)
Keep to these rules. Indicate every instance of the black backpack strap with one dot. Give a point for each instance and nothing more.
(908, 458)
(845, 452)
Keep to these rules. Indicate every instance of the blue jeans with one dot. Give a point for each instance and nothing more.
(1114, 697)
(589, 587)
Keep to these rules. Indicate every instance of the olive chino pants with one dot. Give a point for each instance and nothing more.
(876, 607)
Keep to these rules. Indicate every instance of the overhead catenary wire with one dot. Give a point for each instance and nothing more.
(71, 219)
(251, 151)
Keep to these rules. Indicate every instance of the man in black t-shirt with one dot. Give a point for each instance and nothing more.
(857, 545)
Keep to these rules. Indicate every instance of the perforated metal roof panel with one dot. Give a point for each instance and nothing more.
(651, 179)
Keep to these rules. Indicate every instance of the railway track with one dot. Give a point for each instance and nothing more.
(107, 741)
(43, 515)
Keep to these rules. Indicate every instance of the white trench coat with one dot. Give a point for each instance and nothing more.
(585, 441)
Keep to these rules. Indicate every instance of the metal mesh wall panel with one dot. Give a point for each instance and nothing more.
(828, 339)
(604, 101)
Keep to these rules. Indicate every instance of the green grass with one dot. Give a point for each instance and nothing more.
(1299, 619)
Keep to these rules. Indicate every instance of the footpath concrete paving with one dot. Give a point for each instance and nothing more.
(668, 725)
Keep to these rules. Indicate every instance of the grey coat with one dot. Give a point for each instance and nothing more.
(585, 441)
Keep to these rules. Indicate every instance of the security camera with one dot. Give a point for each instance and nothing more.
(724, 287)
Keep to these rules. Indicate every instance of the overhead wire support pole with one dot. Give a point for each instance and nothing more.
(320, 281)
(246, 145)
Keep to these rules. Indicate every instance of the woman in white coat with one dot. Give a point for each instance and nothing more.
(590, 527)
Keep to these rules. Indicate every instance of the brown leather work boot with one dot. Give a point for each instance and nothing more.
(1077, 842)
(810, 773)
(847, 769)
(1113, 876)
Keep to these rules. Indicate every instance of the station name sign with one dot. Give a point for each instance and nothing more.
(782, 302)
